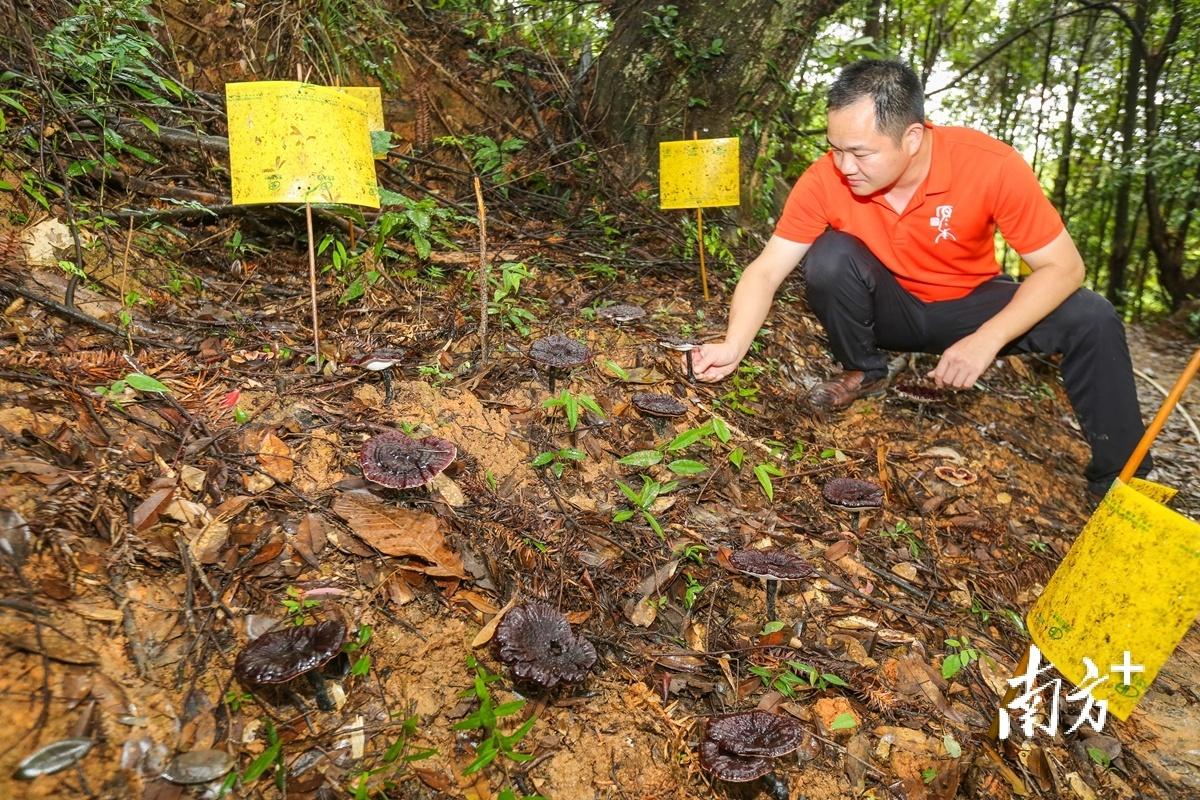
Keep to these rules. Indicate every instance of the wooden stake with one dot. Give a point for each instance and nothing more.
(483, 272)
(1160, 419)
(312, 285)
(700, 240)
(312, 266)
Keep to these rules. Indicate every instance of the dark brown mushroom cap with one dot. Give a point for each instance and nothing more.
(682, 345)
(775, 564)
(537, 643)
(755, 733)
(399, 462)
(559, 352)
(658, 405)
(731, 767)
(381, 359)
(852, 493)
(281, 655)
(622, 312)
(920, 393)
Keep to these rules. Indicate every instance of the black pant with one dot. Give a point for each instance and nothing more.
(863, 309)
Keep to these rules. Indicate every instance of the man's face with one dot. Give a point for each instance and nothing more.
(870, 161)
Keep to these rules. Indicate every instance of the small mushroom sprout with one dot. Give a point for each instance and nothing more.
(772, 565)
(740, 747)
(955, 476)
(685, 346)
(381, 361)
(536, 642)
(279, 656)
(556, 353)
(399, 462)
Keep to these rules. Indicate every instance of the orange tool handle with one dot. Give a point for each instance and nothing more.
(1160, 419)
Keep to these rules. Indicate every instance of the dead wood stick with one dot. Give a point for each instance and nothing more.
(483, 272)
(75, 315)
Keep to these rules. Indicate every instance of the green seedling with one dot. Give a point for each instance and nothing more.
(959, 658)
(235, 699)
(486, 719)
(643, 500)
(362, 661)
(570, 404)
(558, 460)
(394, 765)
(271, 757)
(795, 675)
(297, 606)
(764, 472)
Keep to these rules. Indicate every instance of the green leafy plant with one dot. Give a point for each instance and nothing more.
(271, 757)
(692, 552)
(692, 590)
(420, 223)
(570, 405)
(744, 390)
(297, 606)
(236, 699)
(959, 658)
(356, 648)
(558, 460)
(486, 719)
(643, 500)
(794, 675)
(505, 303)
(901, 529)
(134, 380)
(1100, 757)
(488, 156)
(393, 764)
(765, 472)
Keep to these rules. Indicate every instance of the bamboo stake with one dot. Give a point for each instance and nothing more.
(700, 240)
(1160, 419)
(483, 273)
(312, 267)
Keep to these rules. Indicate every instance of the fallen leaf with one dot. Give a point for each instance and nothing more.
(400, 532)
(146, 514)
(274, 456)
(489, 630)
(309, 540)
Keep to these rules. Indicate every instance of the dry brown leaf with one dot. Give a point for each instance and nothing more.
(309, 540)
(146, 514)
(489, 630)
(858, 760)
(400, 532)
(273, 456)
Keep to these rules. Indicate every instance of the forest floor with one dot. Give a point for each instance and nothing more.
(167, 527)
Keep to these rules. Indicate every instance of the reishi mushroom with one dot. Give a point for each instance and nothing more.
(537, 643)
(739, 747)
(658, 407)
(955, 476)
(685, 346)
(381, 360)
(920, 393)
(621, 313)
(399, 462)
(852, 494)
(279, 656)
(558, 352)
(772, 565)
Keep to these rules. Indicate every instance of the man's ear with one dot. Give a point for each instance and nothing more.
(912, 137)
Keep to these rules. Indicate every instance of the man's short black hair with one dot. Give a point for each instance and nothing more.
(891, 85)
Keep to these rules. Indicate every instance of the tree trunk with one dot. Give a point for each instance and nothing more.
(1118, 257)
(669, 70)
(1169, 246)
(1066, 150)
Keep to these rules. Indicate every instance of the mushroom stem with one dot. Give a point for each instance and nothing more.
(324, 701)
(772, 590)
(776, 786)
(551, 378)
(387, 387)
(691, 375)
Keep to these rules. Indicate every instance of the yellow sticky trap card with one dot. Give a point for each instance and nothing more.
(372, 96)
(1130, 583)
(698, 173)
(295, 142)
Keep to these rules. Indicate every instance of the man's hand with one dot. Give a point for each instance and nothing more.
(711, 362)
(965, 361)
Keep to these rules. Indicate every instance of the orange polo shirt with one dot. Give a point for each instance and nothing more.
(942, 246)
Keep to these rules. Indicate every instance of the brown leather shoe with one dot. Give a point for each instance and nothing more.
(840, 392)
